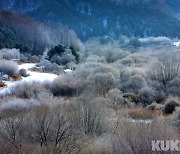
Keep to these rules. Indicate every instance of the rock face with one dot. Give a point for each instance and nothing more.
(112, 18)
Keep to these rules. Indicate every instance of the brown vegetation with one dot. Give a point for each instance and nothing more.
(16, 77)
(2, 84)
(141, 113)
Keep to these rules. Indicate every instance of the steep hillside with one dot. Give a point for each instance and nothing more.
(28, 35)
(105, 17)
(8, 37)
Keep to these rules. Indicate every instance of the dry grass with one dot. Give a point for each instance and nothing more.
(137, 137)
(140, 113)
(98, 149)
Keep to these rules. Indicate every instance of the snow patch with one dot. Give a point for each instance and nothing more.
(105, 22)
(177, 44)
(147, 121)
(33, 76)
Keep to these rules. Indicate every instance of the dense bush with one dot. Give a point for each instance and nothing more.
(133, 97)
(96, 58)
(30, 90)
(134, 42)
(134, 84)
(173, 87)
(61, 60)
(146, 95)
(47, 66)
(23, 72)
(45, 129)
(16, 104)
(62, 55)
(10, 54)
(106, 69)
(102, 82)
(66, 85)
(22, 48)
(29, 58)
(170, 106)
(155, 106)
(138, 137)
(8, 67)
(116, 97)
(166, 69)
(114, 55)
(176, 119)
(127, 61)
(89, 116)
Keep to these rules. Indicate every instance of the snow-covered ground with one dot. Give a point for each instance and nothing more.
(177, 44)
(36, 76)
(33, 76)
(148, 121)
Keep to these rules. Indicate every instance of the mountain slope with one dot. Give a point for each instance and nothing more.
(29, 35)
(104, 17)
(8, 37)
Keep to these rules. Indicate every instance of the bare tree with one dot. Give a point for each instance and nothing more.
(89, 115)
(51, 129)
(166, 69)
(134, 138)
(12, 131)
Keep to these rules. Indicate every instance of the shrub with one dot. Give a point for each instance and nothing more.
(134, 42)
(146, 95)
(23, 72)
(66, 85)
(95, 58)
(141, 113)
(47, 66)
(176, 119)
(173, 87)
(155, 106)
(15, 104)
(75, 54)
(41, 130)
(170, 106)
(34, 59)
(102, 82)
(116, 97)
(114, 55)
(12, 131)
(106, 69)
(133, 97)
(61, 60)
(134, 84)
(10, 54)
(127, 61)
(22, 48)
(166, 69)
(28, 58)
(30, 90)
(89, 116)
(59, 134)
(8, 67)
(138, 137)
(62, 55)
